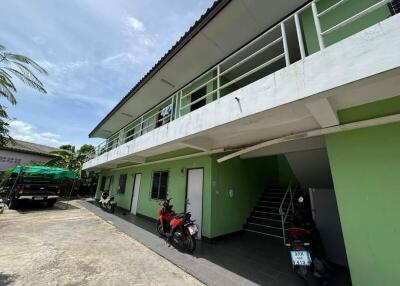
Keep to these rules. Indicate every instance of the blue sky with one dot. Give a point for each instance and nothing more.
(94, 50)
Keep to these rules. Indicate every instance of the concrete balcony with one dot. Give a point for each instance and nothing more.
(301, 96)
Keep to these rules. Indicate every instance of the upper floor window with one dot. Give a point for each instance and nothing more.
(160, 185)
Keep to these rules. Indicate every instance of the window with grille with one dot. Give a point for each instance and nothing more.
(160, 185)
(122, 184)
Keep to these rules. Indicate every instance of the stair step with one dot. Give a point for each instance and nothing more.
(265, 213)
(266, 221)
(272, 202)
(262, 233)
(265, 218)
(267, 208)
(278, 226)
(263, 229)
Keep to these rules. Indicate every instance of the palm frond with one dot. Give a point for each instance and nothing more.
(32, 82)
(55, 162)
(3, 113)
(7, 93)
(5, 79)
(29, 74)
(2, 48)
(25, 60)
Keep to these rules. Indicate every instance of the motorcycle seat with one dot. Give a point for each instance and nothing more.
(180, 215)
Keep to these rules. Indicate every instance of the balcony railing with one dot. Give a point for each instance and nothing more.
(278, 47)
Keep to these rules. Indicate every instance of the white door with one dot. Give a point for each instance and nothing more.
(136, 188)
(194, 203)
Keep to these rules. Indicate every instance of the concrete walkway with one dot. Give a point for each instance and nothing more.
(240, 261)
(57, 246)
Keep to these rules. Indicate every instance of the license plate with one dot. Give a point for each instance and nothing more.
(38, 198)
(193, 229)
(301, 258)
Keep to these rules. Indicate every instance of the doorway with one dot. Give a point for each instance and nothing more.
(194, 196)
(135, 195)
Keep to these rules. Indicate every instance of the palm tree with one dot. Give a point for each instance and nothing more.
(68, 158)
(19, 66)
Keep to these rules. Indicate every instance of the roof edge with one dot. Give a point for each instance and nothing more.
(186, 38)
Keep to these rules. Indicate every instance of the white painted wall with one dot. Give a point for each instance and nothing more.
(9, 159)
(311, 168)
(326, 217)
(362, 55)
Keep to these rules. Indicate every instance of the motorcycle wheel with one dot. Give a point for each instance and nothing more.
(160, 229)
(305, 273)
(191, 243)
(311, 280)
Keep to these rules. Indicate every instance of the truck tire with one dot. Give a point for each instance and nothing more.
(13, 204)
(50, 203)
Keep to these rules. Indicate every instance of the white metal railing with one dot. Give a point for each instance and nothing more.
(272, 47)
(284, 213)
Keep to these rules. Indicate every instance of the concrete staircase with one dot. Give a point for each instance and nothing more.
(265, 218)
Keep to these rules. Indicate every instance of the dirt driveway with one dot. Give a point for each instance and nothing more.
(60, 246)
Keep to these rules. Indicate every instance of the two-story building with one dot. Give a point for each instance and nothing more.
(260, 98)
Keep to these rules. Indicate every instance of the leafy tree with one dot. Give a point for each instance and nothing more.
(68, 158)
(68, 147)
(15, 66)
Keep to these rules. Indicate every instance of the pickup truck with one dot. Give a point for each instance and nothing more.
(40, 188)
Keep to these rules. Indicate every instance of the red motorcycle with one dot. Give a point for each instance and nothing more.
(179, 229)
(165, 215)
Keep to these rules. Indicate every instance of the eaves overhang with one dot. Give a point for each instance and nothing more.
(192, 32)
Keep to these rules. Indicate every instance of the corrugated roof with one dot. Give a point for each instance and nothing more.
(28, 147)
(211, 12)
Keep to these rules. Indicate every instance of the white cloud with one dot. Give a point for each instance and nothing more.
(136, 24)
(120, 57)
(24, 131)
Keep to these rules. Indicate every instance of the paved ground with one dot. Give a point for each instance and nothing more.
(74, 247)
(241, 260)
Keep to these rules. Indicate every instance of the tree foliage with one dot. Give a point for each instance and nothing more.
(15, 66)
(70, 159)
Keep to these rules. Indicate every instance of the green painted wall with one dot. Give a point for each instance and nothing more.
(176, 187)
(365, 169)
(376, 109)
(221, 214)
(248, 179)
(338, 15)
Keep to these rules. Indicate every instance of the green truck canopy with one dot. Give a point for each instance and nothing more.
(58, 173)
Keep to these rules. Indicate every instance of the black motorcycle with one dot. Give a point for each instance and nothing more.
(305, 248)
(107, 202)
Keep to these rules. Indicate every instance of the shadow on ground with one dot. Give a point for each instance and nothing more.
(31, 206)
(7, 279)
(262, 260)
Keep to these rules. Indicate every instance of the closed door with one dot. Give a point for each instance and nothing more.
(194, 203)
(135, 195)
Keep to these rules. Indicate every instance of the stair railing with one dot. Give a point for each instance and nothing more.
(290, 208)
